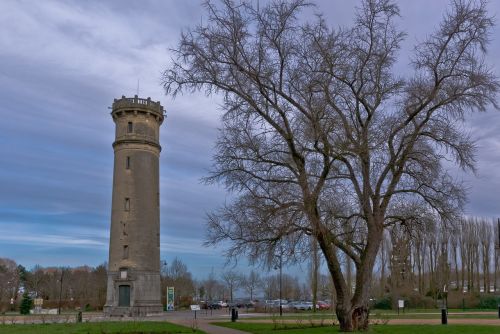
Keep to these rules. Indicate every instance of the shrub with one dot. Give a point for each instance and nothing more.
(489, 302)
(416, 300)
(26, 304)
(383, 303)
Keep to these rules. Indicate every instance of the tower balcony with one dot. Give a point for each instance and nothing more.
(137, 104)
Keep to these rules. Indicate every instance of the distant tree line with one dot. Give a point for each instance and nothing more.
(457, 262)
(439, 260)
(79, 287)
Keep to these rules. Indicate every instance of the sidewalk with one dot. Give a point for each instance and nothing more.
(203, 320)
(204, 325)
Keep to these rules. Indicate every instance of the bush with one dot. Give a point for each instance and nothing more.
(383, 303)
(26, 304)
(489, 302)
(462, 300)
(416, 300)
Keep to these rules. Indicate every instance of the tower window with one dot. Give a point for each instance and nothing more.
(127, 163)
(124, 229)
(127, 204)
(125, 251)
(130, 127)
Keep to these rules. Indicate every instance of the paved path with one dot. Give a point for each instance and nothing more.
(203, 320)
(204, 325)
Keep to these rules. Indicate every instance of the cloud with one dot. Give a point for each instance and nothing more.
(62, 65)
(51, 240)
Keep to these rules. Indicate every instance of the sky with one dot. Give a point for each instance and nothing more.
(61, 65)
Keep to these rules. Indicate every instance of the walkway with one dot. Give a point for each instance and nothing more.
(203, 320)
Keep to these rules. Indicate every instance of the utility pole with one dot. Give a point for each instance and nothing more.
(281, 265)
(60, 290)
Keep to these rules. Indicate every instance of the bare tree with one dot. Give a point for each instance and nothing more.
(485, 233)
(231, 280)
(9, 282)
(321, 137)
(315, 263)
(251, 283)
(211, 284)
(178, 276)
(496, 262)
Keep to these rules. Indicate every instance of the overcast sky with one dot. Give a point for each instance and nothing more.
(61, 65)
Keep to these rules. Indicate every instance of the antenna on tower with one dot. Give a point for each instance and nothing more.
(137, 86)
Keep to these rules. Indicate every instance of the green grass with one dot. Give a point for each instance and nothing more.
(379, 314)
(379, 329)
(99, 328)
(434, 310)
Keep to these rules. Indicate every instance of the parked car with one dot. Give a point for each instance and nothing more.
(322, 305)
(213, 305)
(303, 305)
(244, 303)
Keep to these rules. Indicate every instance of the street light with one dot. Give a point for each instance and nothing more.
(60, 291)
(280, 271)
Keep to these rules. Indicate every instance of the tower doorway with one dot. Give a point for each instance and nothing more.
(124, 295)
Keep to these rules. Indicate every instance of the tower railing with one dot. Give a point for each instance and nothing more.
(131, 102)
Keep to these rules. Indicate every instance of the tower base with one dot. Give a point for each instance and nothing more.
(132, 311)
(133, 293)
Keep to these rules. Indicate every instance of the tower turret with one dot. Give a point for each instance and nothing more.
(134, 248)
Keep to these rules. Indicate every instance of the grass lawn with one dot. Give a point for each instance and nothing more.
(99, 328)
(382, 329)
(379, 314)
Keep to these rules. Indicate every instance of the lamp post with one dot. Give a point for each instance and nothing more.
(281, 265)
(60, 290)
(280, 279)
(497, 251)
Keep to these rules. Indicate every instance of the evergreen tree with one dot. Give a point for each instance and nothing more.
(26, 304)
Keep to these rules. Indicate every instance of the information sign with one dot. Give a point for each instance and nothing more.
(170, 298)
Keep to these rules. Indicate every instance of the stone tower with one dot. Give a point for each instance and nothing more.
(134, 247)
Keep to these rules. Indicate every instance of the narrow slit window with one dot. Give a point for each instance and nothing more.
(130, 128)
(127, 204)
(127, 163)
(125, 251)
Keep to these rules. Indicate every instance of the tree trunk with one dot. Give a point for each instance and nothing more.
(353, 315)
(354, 319)
(383, 261)
(314, 272)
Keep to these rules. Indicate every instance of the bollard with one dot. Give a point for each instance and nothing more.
(236, 314)
(444, 317)
(79, 317)
(498, 311)
(233, 315)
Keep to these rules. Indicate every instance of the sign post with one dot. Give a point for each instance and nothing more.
(401, 305)
(195, 308)
(170, 298)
